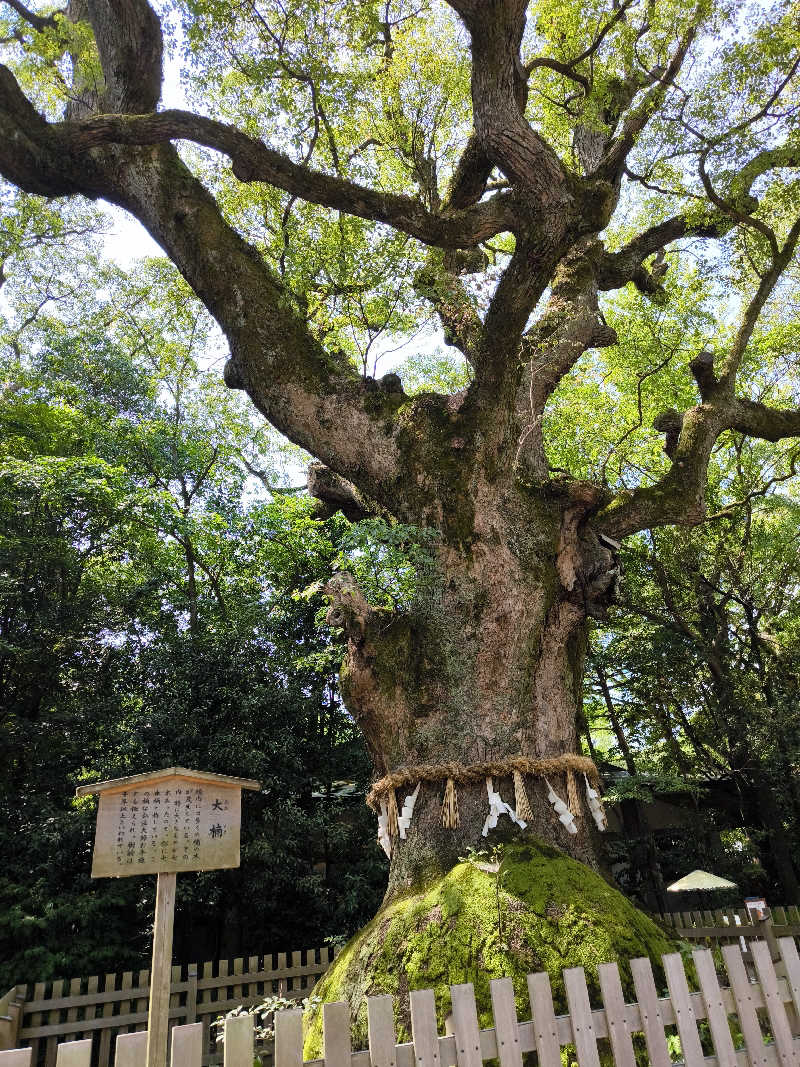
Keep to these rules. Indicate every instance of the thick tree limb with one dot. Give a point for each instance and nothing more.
(499, 84)
(470, 176)
(758, 420)
(443, 288)
(31, 156)
(679, 497)
(335, 493)
(312, 396)
(570, 324)
(252, 160)
(128, 36)
(616, 269)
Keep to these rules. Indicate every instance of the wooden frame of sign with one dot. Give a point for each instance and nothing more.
(161, 823)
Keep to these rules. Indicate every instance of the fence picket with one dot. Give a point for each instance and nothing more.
(238, 968)
(506, 1024)
(715, 1007)
(289, 1038)
(104, 1051)
(252, 967)
(545, 1027)
(187, 1045)
(75, 1053)
(51, 1044)
(791, 964)
(336, 1034)
(380, 1027)
(465, 1025)
(296, 963)
(131, 1049)
(649, 1012)
(745, 1006)
(776, 1013)
(424, 1034)
(239, 1041)
(616, 1016)
(175, 998)
(36, 1019)
(92, 986)
(140, 1005)
(16, 1057)
(580, 1011)
(124, 1005)
(684, 1012)
(204, 997)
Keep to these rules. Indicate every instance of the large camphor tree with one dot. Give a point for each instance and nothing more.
(348, 169)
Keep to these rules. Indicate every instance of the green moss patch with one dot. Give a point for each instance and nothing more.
(540, 911)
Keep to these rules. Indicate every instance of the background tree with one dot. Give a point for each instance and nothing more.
(696, 675)
(490, 151)
(150, 615)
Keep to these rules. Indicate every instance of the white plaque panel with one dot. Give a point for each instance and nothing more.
(174, 824)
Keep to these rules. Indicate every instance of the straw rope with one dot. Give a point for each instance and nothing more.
(476, 772)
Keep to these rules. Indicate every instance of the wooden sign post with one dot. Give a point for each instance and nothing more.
(161, 823)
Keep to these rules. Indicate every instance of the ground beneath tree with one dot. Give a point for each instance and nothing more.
(529, 908)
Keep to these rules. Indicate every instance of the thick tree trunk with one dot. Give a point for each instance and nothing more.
(487, 665)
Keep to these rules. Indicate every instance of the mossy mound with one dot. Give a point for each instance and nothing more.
(541, 911)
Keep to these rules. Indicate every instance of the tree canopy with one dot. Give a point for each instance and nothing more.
(379, 157)
(157, 607)
(579, 219)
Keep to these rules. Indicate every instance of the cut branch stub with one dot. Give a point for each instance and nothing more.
(702, 368)
(670, 423)
(349, 608)
(335, 493)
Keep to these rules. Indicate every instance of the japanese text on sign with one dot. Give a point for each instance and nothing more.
(172, 825)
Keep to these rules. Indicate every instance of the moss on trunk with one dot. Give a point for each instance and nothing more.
(538, 911)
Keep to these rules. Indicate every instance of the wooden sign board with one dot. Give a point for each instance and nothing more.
(161, 823)
(168, 821)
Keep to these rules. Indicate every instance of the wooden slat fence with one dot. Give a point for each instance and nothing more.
(765, 1031)
(100, 1009)
(727, 927)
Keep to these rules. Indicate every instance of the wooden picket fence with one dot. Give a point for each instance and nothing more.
(765, 1034)
(101, 1009)
(736, 927)
(726, 924)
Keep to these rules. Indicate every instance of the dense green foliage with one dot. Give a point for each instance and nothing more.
(695, 682)
(153, 612)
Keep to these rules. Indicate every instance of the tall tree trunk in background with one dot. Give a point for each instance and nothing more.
(779, 852)
(613, 718)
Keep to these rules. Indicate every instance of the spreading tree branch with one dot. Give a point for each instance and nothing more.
(253, 161)
(38, 22)
(613, 162)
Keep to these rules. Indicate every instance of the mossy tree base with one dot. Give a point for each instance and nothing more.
(538, 911)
